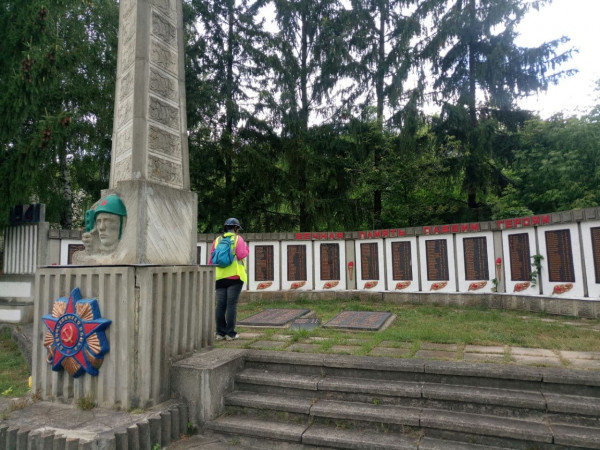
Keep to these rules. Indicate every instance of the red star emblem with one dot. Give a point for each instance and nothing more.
(75, 338)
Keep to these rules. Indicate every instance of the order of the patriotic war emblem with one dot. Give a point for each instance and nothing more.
(75, 339)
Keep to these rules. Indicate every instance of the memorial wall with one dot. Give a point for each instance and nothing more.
(543, 255)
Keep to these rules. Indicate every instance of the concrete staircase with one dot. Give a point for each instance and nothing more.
(295, 400)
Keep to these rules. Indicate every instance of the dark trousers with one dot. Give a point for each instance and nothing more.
(226, 311)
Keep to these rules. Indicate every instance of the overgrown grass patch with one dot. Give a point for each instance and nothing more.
(443, 324)
(14, 374)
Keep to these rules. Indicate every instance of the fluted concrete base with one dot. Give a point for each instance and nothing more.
(158, 313)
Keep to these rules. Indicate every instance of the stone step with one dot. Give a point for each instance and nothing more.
(486, 400)
(513, 377)
(298, 405)
(323, 436)
(266, 429)
(428, 443)
(476, 428)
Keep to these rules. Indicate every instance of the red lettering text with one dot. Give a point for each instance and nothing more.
(474, 227)
(545, 219)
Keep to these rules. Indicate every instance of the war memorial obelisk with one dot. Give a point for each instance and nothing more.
(149, 302)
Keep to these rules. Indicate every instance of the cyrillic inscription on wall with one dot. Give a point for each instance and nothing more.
(520, 258)
(476, 258)
(437, 259)
(296, 263)
(264, 266)
(401, 261)
(369, 263)
(330, 262)
(560, 256)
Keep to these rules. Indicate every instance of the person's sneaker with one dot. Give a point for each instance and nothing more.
(232, 337)
(220, 337)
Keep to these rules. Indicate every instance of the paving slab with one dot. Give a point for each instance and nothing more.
(432, 354)
(390, 352)
(300, 347)
(540, 352)
(346, 349)
(399, 344)
(249, 335)
(268, 344)
(579, 355)
(281, 337)
(483, 357)
(537, 360)
(273, 317)
(585, 363)
(441, 347)
(496, 349)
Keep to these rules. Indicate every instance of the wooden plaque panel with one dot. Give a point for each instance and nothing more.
(296, 263)
(72, 248)
(369, 262)
(596, 251)
(560, 256)
(401, 261)
(520, 258)
(437, 259)
(330, 261)
(476, 258)
(264, 266)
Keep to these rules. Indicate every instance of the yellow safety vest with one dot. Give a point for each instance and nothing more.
(237, 267)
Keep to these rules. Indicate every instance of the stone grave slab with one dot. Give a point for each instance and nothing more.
(305, 323)
(361, 320)
(273, 317)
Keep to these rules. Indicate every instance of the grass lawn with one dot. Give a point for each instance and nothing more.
(14, 374)
(444, 325)
(414, 324)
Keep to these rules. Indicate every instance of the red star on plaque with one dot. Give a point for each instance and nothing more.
(75, 338)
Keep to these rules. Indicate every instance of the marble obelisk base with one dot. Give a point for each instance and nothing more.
(161, 224)
(158, 313)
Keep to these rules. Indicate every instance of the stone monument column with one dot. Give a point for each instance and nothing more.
(150, 161)
(109, 326)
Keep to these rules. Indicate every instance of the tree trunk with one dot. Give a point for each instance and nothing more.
(306, 216)
(229, 109)
(472, 105)
(379, 88)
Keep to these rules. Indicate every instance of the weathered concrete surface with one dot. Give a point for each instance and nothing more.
(203, 379)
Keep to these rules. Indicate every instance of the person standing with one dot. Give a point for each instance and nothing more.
(230, 280)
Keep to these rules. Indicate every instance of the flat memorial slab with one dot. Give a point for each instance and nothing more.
(361, 320)
(273, 317)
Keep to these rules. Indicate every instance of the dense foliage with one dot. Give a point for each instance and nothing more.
(306, 114)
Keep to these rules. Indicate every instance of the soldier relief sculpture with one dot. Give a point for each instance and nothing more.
(104, 225)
